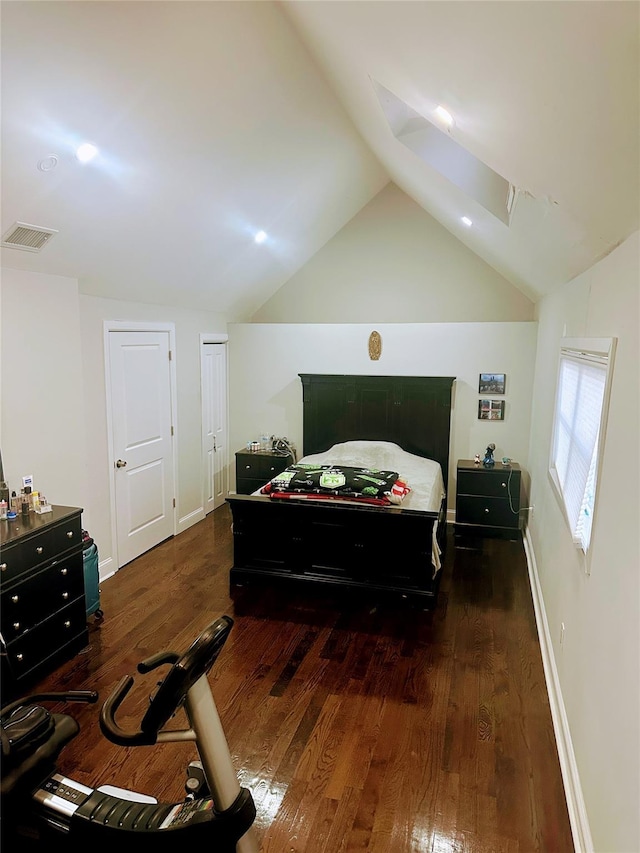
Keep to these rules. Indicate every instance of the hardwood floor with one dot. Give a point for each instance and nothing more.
(358, 725)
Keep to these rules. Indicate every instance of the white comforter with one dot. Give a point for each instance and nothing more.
(423, 476)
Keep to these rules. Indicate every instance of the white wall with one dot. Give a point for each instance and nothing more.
(394, 263)
(42, 422)
(266, 392)
(54, 400)
(598, 663)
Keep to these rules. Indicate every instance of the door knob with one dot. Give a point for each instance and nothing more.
(120, 463)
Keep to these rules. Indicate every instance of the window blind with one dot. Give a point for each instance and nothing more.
(582, 380)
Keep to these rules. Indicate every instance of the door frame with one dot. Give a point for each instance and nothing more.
(134, 326)
(212, 338)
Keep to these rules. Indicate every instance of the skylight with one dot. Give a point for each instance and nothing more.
(437, 149)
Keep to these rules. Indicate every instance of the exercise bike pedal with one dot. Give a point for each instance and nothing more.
(196, 784)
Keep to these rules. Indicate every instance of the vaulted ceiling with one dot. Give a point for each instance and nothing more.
(215, 120)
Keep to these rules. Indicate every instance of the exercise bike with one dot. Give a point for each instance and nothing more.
(39, 805)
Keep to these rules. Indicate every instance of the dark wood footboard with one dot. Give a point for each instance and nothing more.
(386, 550)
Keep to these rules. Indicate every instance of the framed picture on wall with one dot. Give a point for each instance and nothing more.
(491, 383)
(491, 410)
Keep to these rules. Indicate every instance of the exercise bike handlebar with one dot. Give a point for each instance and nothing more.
(89, 696)
(186, 669)
(157, 660)
(110, 727)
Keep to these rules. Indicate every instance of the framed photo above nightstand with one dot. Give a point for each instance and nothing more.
(491, 410)
(491, 383)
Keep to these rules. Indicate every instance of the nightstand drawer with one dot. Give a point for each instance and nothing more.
(495, 483)
(246, 486)
(260, 468)
(487, 511)
(255, 469)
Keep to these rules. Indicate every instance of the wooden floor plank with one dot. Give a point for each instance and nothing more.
(376, 726)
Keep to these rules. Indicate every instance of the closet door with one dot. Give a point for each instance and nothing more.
(214, 425)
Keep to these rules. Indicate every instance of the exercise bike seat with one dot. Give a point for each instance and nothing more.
(26, 768)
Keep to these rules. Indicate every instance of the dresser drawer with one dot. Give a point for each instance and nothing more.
(41, 593)
(40, 547)
(487, 511)
(47, 639)
(497, 483)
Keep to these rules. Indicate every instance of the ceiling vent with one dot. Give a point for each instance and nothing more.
(28, 238)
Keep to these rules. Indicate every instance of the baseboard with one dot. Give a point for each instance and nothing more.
(188, 521)
(106, 569)
(571, 778)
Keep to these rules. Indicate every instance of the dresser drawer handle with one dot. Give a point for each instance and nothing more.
(16, 626)
(486, 510)
(15, 599)
(19, 657)
(67, 624)
(69, 534)
(65, 595)
(504, 485)
(247, 467)
(3, 567)
(39, 549)
(63, 571)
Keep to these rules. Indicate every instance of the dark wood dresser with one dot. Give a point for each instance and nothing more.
(488, 499)
(43, 613)
(254, 468)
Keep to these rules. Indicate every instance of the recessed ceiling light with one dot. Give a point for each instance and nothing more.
(260, 237)
(444, 115)
(466, 221)
(86, 152)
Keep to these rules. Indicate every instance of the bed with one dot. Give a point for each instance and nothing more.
(383, 422)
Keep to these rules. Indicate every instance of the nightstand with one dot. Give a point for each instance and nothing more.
(488, 499)
(254, 468)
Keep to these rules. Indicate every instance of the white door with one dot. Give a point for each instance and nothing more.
(214, 424)
(140, 380)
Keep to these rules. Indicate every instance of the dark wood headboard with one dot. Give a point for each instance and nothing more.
(412, 411)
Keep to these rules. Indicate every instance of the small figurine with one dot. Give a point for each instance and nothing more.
(477, 459)
(488, 460)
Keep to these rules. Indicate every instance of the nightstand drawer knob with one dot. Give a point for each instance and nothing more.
(486, 510)
(504, 485)
(3, 567)
(39, 550)
(16, 626)
(19, 657)
(65, 595)
(247, 467)
(15, 599)
(63, 571)
(69, 534)
(67, 624)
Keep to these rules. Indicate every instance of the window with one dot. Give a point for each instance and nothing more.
(584, 376)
